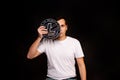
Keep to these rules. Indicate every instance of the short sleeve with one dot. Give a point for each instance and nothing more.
(41, 47)
(78, 49)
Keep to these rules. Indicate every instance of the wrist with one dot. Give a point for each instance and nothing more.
(40, 36)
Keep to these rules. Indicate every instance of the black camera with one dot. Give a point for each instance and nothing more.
(53, 28)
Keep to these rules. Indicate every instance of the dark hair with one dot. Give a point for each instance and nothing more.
(61, 16)
(57, 16)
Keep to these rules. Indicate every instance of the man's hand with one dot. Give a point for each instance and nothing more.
(41, 30)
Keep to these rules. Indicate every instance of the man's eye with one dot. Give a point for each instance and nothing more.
(62, 25)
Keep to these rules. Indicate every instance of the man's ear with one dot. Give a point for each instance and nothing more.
(66, 27)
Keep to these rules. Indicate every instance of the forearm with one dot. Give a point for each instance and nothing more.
(33, 48)
(82, 71)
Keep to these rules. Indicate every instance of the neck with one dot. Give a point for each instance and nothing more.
(62, 38)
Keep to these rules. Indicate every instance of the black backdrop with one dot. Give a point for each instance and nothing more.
(91, 22)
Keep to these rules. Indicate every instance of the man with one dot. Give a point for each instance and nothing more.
(61, 54)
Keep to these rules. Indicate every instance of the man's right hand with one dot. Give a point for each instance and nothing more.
(41, 30)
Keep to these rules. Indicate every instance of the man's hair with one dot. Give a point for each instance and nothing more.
(57, 15)
(61, 16)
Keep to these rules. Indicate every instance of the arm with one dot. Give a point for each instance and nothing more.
(82, 68)
(33, 52)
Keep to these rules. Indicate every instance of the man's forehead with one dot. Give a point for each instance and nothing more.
(61, 21)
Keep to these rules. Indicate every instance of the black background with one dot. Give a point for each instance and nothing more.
(92, 22)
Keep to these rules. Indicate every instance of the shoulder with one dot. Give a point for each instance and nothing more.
(73, 39)
(46, 41)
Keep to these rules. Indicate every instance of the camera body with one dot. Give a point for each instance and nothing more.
(53, 28)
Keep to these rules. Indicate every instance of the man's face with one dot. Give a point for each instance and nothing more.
(63, 27)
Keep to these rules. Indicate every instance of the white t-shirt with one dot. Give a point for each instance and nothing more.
(61, 56)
